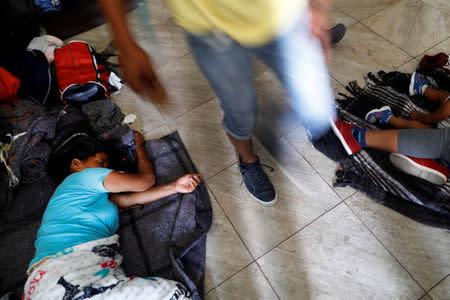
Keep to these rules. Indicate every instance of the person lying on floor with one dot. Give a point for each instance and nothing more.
(419, 86)
(77, 244)
(423, 153)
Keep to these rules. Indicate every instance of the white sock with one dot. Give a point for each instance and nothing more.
(422, 88)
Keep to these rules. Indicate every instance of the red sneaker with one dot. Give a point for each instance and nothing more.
(427, 169)
(343, 131)
(440, 60)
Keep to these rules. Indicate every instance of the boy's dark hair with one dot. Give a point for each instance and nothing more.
(80, 147)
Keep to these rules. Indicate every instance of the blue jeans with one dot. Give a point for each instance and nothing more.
(295, 57)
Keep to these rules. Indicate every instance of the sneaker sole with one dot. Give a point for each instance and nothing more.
(375, 110)
(411, 85)
(341, 138)
(412, 168)
(265, 203)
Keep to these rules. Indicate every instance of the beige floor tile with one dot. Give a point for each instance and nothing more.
(422, 250)
(441, 47)
(363, 8)
(363, 51)
(202, 133)
(337, 88)
(226, 255)
(302, 196)
(186, 86)
(98, 37)
(336, 257)
(322, 164)
(442, 5)
(404, 21)
(274, 102)
(442, 290)
(338, 16)
(247, 284)
(409, 67)
(158, 132)
(265, 131)
(207, 142)
(161, 37)
(148, 116)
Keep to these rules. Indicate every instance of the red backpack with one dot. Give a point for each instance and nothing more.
(9, 85)
(80, 78)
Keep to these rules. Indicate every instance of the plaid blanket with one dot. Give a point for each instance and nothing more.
(370, 171)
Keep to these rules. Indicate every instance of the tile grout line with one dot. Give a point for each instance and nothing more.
(318, 174)
(186, 112)
(229, 220)
(234, 228)
(303, 227)
(439, 282)
(385, 39)
(267, 278)
(229, 277)
(437, 44)
(251, 255)
(384, 246)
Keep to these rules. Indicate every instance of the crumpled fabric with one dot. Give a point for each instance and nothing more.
(47, 45)
(29, 153)
(106, 121)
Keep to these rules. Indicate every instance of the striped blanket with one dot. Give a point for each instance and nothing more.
(371, 171)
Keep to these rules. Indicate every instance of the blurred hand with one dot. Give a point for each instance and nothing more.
(319, 25)
(138, 139)
(414, 115)
(188, 183)
(138, 72)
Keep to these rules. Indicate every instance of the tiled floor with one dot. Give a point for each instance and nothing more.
(318, 241)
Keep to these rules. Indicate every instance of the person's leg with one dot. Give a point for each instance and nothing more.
(421, 143)
(434, 95)
(384, 116)
(429, 143)
(298, 61)
(401, 123)
(227, 66)
(384, 140)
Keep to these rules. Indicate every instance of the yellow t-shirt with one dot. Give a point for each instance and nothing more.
(249, 22)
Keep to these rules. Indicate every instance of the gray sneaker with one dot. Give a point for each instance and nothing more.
(337, 33)
(257, 182)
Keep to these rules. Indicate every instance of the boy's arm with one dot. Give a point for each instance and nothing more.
(116, 182)
(184, 184)
(440, 114)
(135, 63)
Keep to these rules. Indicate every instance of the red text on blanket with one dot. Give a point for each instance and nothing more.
(33, 283)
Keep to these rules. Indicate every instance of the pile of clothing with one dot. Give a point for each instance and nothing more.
(371, 171)
(63, 90)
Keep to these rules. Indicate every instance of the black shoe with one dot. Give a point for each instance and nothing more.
(257, 182)
(337, 33)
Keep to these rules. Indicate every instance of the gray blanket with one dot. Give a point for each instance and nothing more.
(166, 238)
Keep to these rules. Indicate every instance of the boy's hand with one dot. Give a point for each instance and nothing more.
(318, 25)
(138, 71)
(188, 183)
(138, 139)
(414, 115)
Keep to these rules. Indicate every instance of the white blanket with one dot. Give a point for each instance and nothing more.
(92, 271)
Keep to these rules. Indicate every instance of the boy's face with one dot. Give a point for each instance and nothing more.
(99, 160)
